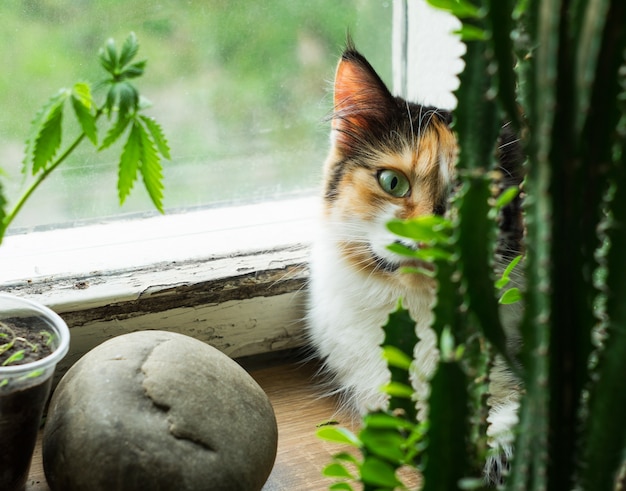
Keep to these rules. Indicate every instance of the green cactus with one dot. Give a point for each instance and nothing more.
(556, 69)
(570, 87)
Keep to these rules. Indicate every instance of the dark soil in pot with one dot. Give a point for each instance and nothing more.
(20, 417)
(22, 402)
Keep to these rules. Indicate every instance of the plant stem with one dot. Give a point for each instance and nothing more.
(40, 178)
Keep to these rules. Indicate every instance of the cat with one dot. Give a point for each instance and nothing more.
(389, 158)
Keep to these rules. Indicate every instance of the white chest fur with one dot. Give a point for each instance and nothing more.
(347, 309)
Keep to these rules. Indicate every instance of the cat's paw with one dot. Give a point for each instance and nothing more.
(502, 420)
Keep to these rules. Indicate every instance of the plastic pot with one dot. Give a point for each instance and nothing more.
(25, 383)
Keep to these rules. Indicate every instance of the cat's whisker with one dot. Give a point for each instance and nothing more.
(507, 172)
(512, 142)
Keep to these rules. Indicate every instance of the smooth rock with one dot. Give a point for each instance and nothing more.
(155, 410)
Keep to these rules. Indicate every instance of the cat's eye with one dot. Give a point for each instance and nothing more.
(393, 182)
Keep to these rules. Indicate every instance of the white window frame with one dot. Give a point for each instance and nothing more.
(234, 277)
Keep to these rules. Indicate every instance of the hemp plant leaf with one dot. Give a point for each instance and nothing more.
(108, 56)
(151, 169)
(45, 137)
(129, 163)
(128, 99)
(157, 134)
(114, 132)
(129, 50)
(141, 154)
(83, 105)
(135, 70)
(3, 206)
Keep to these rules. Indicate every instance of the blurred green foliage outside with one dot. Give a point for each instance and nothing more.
(242, 90)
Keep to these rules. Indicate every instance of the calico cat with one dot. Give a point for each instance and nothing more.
(389, 158)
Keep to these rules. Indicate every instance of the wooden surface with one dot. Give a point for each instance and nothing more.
(299, 409)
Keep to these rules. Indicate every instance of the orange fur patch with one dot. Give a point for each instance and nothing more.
(360, 196)
(359, 193)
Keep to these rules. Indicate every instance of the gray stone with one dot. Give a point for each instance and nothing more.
(154, 410)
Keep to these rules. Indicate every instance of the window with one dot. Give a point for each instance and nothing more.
(238, 86)
(232, 276)
(427, 58)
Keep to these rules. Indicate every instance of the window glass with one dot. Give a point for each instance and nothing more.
(241, 89)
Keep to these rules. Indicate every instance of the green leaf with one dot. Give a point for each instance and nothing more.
(82, 92)
(380, 420)
(337, 470)
(505, 278)
(108, 56)
(472, 33)
(129, 163)
(45, 133)
(395, 357)
(338, 435)
(82, 104)
(150, 168)
(35, 373)
(48, 141)
(398, 390)
(129, 49)
(430, 254)
(111, 99)
(375, 471)
(423, 253)
(340, 486)
(346, 457)
(15, 357)
(384, 443)
(114, 132)
(157, 135)
(431, 229)
(512, 295)
(128, 99)
(508, 195)
(135, 70)
(459, 8)
(111, 52)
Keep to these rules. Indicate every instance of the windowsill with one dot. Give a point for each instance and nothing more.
(232, 277)
(130, 244)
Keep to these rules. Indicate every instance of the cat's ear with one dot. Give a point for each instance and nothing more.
(362, 102)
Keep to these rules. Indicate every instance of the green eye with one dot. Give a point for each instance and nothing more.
(393, 182)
